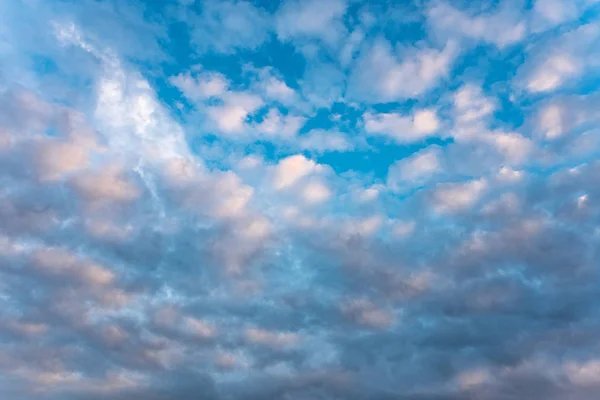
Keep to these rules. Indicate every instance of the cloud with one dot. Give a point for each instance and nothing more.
(315, 192)
(472, 105)
(454, 197)
(367, 314)
(383, 75)
(203, 86)
(225, 27)
(501, 27)
(560, 61)
(275, 125)
(230, 118)
(291, 169)
(321, 141)
(414, 170)
(401, 128)
(311, 20)
(549, 13)
(165, 234)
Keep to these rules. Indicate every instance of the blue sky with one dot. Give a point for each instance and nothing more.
(319, 199)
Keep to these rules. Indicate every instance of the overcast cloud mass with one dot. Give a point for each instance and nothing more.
(311, 199)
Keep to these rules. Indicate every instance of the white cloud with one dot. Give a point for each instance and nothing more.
(291, 169)
(312, 19)
(364, 227)
(129, 114)
(202, 86)
(231, 196)
(270, 85)
(321, 141)
(513, 146)
(553, 72)
(561, 116)
(584, 373)
(106, 184)
(367, 195)
(414, 170)
(403, 129)
(560, 61)
(383, 75)
(277, 125)
(549, 13)
(230, 118)
(471, 105)
(227, 26)
(503, 27)
(278, 90)
(509, 175)
(454, 197)
(472, 112)
(315, 192)
(402, 229)
(351, 46)
(550, 121)
(323, 83)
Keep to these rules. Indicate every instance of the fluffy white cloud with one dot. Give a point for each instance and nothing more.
(276, 125)
(321, 141)
(472, 105)
(291, 169)
(561, 60)
(315, 192)
(382, 74)
(230, 118)
(414, 170)
(454, 197)
(501, 27)
(202, 86)
(549, 13)
(402, 128)
(553, 72)
(311, 19)
(226, 26)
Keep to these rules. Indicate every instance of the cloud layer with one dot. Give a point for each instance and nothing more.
(299, 200)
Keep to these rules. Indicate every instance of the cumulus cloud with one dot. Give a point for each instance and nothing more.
(382, 74)
(453, 197)
(549, 13)
(323, 141)
(230, 118)
(403, 128)
(225, 27)
(414, 170)
(501, 27)
(312, 19)
(561, 61)
(291, 169)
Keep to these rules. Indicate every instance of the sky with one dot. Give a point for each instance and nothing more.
(299, 200)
